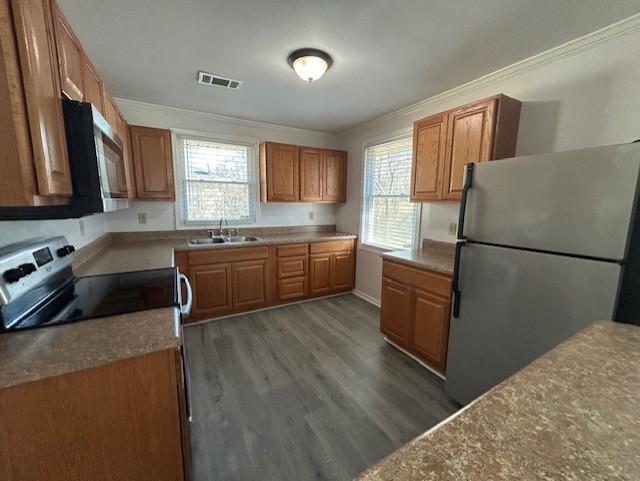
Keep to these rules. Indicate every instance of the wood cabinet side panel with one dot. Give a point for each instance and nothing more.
(117, 421)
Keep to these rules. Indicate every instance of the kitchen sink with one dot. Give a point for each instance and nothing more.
(203, 241)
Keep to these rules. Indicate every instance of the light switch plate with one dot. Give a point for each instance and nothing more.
(81, 225)
(142, 218)
(453, 228)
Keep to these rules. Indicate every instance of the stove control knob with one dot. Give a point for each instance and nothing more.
(65, 251)
(13, 275)
(28, 268)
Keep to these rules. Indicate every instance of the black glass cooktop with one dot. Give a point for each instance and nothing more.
(69, 299)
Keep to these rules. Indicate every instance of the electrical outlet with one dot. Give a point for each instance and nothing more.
(82, 229)
(311, 214)
(142, 218)
(453, 228)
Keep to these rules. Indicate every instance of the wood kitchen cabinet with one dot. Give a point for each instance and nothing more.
(152, 160)
(291, 173)
(414, 311)
(70, 57)
(122, 420)
(444, 143)
(93, 86)
(33, 146)
(231, 280)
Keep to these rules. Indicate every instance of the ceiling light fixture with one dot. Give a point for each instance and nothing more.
(309, 63)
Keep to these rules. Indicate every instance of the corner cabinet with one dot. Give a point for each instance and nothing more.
(152, 160)
(291, 173)
(414, 312)
(444, 143)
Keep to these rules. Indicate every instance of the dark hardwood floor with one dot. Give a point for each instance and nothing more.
(304, 392)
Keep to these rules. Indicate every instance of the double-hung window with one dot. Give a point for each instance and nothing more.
(216, 181)
(388, 217)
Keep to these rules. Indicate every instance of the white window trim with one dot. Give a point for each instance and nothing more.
(370, 246)
(178, 168)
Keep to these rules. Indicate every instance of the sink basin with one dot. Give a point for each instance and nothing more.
(202, 241)
(242, 238)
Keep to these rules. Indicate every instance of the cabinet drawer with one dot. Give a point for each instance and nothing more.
(293, 288)
(211, 256)
(331, 246)
(292, 267)
(428, 281)
(293, 250)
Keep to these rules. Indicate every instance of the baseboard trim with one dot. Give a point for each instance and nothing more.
(419, 361)
(366, 297)
(268, 308)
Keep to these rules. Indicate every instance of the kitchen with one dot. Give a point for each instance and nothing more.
(317, 350)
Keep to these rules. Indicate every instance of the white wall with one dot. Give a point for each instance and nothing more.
(160, 215)
(585, 93)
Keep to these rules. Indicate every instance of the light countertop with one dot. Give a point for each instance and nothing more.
(573, 414)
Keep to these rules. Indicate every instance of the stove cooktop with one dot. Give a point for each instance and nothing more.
(67, 299)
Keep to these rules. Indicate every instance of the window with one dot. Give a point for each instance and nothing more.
(216, 181)
(388, 218)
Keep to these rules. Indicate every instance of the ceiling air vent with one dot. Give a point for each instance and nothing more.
(206, 78)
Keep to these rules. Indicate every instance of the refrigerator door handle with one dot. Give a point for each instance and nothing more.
(456, 278)
(468, 180)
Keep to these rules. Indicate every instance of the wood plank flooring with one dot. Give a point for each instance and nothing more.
(304, 392)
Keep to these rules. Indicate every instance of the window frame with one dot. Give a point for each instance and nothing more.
(178, 137)
(373, 247)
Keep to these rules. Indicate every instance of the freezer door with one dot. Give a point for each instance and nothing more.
(577, 202)
(516, 305)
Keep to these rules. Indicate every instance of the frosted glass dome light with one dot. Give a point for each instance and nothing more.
(310, 64)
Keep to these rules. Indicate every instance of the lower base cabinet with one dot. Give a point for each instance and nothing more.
(414, 312)
(228, 281)
(120, 421)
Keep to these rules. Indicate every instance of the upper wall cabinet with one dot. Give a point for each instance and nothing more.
(444, 143)
(33, 146)
(289, 173)
(93, 86)
(153, 163)
(70, 57)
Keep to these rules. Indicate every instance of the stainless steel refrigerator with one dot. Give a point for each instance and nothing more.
(547, 245)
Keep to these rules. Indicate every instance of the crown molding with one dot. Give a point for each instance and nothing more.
(223, 118)
(573, 47)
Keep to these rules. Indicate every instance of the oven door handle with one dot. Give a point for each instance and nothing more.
(185, 308)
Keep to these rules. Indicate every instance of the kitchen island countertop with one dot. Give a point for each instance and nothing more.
(572, 414)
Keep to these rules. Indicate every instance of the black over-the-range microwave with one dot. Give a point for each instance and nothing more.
(96, 163)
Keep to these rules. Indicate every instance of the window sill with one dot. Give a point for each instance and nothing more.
(375, 249)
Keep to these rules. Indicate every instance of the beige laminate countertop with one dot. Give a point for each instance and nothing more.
(155, 254)
(431, 259)
(31, 355)
(573, 414)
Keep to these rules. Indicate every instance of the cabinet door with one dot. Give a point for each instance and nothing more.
(110, 112)
(429, 140)
(334, 179)
(469, 139)
(39, 62)
(320, 274)
(70, 57)
(310, 174)
(153, 163)
(283, 174)
(430, 325)
(250, 283)
(394, 311)
(342, 271)
(211, 290)
(129, 178)
(93, 88)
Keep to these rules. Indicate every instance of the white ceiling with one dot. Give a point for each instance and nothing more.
(387, 54)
